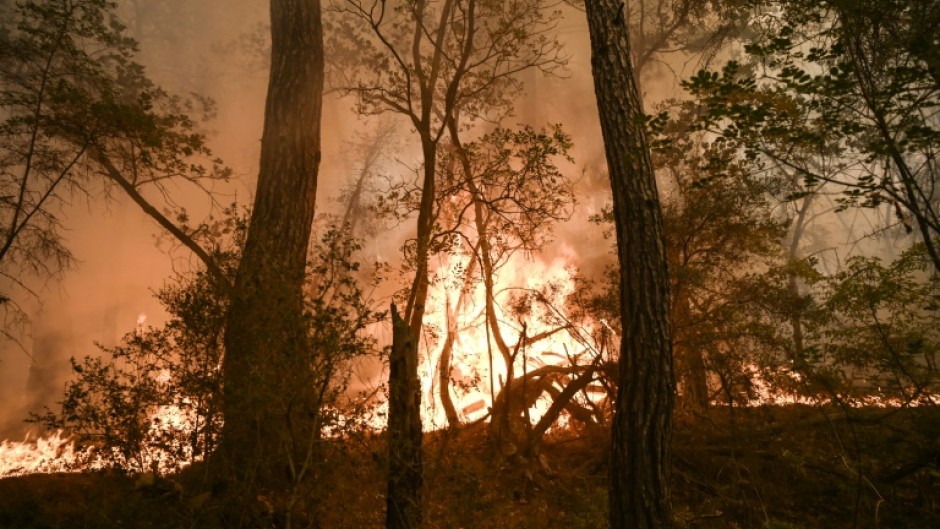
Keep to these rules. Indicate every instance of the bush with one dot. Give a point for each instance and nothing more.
(154, 401)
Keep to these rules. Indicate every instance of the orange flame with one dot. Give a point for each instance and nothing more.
(53, 453)
(545, 287)
(548, 284)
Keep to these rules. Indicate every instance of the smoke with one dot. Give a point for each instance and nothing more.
(218, 48)
(119, 263)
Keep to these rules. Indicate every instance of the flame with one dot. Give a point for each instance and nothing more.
(57, 452)
(477, 375)
(544, 287)
(53, 453)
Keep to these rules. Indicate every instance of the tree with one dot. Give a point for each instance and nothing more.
(266, 372)
(721, 226)
(642, 411)
(661, 28)
(834, 93)
(723, 232)
(155, 399)
(881, 327)
(79, 107)
(839, 100)
(508, 183)
(81, 118)
(430, 61)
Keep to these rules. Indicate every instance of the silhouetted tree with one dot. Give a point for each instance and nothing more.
(80, 118)
(267, 374)
(842, 93)
(645, 395)
(426, 61)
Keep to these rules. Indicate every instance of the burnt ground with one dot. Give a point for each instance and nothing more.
(770, 468)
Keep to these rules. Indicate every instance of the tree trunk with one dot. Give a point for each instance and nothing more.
(485, 253)
(645, 395)
(793, 286)
(403, 501)
(267, 374)
(443, 374)
(690, 361)
(695, 380)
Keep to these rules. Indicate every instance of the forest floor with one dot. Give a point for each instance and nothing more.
(770, 468)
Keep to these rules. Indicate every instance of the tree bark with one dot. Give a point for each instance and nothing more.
(267, 374)
(403, 501)
(645, 395)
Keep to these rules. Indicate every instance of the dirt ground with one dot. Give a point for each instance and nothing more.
(770, 468)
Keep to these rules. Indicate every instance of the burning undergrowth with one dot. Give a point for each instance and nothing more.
(529, 349)
(537, 359)
(152, 403)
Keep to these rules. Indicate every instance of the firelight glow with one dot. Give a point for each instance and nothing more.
(57, 451)
(544, 285)
(529, 294)
(52, 453)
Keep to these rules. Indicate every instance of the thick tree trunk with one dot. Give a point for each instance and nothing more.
(645, 396)
(403, 502)
(267, 370)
